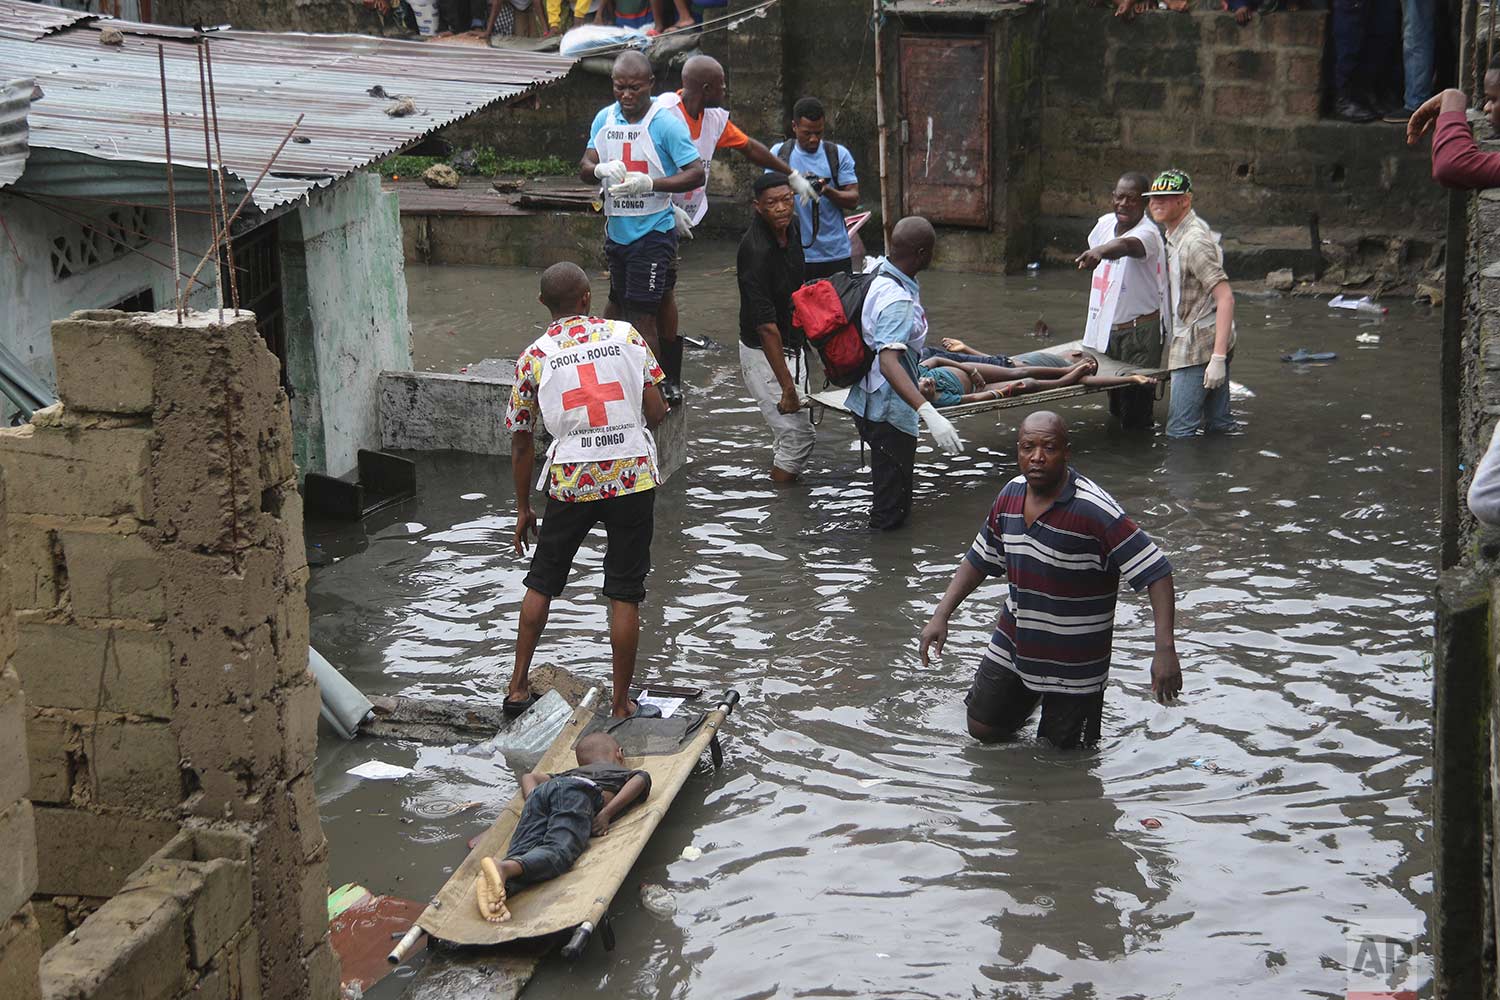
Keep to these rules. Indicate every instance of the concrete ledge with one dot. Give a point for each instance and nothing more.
(429, 411)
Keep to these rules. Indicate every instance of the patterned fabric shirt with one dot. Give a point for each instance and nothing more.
(1195, 264)
(1057, 626)
(579, 481)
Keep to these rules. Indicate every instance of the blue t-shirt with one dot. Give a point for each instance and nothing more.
(950, 389)
(833, 239)
(675, 149)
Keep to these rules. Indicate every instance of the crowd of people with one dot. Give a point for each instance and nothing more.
(551, 17)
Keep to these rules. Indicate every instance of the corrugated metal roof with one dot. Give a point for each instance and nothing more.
(25, 21)
(15, 100)
(105, 101)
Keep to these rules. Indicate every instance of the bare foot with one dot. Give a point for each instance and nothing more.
(489, 893)
(955, 346)
(683, 24)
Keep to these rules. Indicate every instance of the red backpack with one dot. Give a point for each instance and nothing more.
(828, 312)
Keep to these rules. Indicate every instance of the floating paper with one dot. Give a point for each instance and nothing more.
(378, 770)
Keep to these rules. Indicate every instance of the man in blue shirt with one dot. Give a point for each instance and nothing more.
(830, 168)
(641, 158)
(886, 403)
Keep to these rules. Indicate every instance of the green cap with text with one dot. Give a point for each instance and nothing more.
(1171, 181)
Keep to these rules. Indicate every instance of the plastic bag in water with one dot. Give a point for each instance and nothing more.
(525, 740)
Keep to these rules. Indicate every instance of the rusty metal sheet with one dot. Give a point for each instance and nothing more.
(945, 105)
(26, 21)
(361, 936)
(105, 101)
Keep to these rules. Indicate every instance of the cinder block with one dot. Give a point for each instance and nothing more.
(114, 670)
(31, 564)
(136, 764)
(322, 973)
(18, 856)
(15, 777)
(51, 743)
(84, 853)
(1241, 103)
(313, 903)
(300, 706)
(248, 950)
(222, 908)
(77, 472)
(20, 956)
(113, 576)
(308, 825)
(135, 946)
(1302, 70)
(103, 365)
(1302, 104)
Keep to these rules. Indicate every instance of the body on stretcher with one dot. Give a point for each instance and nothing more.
(578, 899)
(836, 399)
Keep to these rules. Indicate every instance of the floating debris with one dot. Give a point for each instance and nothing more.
(657, 899)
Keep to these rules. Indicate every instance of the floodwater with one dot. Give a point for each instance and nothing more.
(857, 842)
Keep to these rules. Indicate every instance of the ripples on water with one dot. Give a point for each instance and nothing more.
(857, 843)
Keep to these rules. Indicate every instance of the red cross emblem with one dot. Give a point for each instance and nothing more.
(593, 394)
(635, 166)
(1101, 281)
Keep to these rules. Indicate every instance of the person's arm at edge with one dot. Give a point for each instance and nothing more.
(965, 579)
(633, 789)
(900, 381)
(1457, 161)
(1224, 318)
(522, 462)
(757, 153)
(1124, 246)
(586, 166)
(1166, 671)
(1484, 491)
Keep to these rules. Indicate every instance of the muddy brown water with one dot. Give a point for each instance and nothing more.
(857, 843)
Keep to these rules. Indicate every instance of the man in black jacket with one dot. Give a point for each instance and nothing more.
(773, 357)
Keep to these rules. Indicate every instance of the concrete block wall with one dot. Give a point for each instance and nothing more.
(154, 556)
(1237, 107)
(20, 934)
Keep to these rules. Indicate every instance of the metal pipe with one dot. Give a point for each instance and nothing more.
(264, 170)
(208, 165)
(166, 124)
(405, 945)
(213, 104)
(886, 222)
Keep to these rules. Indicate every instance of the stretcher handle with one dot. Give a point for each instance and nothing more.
(730, 700)
(579, 941)
(408, 942)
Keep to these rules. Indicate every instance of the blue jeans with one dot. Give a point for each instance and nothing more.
(966, 359)
(555, 825)
(1418, 43)
(1194, 407)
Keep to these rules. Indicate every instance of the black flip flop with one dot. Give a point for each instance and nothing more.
(516, 709)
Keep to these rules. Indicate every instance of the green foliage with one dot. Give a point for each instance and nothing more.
(486, 163)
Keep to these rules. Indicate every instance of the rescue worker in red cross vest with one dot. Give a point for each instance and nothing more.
(1130, 280)
(593, 384)
(641, 158)
(700, 103)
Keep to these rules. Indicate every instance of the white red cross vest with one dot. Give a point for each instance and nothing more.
(630, 143)
(715, 121)
(590, 395)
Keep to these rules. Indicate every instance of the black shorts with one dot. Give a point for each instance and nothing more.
(629, 521)
(1000, 700)
(643, 272)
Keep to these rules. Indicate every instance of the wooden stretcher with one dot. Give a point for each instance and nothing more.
(578, 899)
(835, 399)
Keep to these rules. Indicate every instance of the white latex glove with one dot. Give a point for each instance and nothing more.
(611, 171)
(942, 429)
(1216, 372)
(634, 183)
(683, 221)
(801, 187)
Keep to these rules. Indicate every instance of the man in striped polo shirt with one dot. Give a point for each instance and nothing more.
(1062, 544)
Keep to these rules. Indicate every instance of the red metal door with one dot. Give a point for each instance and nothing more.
(945, 110)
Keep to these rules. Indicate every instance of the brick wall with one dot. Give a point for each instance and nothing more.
(155, 560)
(20, 935)
(1237, 107)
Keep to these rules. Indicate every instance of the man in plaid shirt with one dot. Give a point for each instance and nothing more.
(1201, 305)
